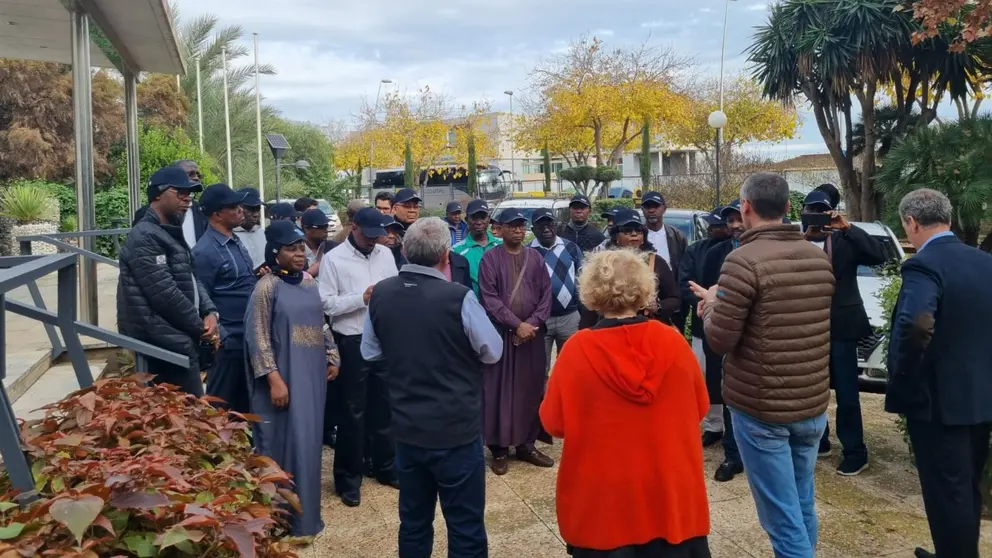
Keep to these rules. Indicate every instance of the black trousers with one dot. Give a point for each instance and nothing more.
(950, 460)
(332, 409)
(228, 379)
(188, 379)
(659, 548)
(365, 407)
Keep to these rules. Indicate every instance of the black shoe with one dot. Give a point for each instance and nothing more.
(710, 438)
(351, 499)
(331, 439)
(826, 450)
(920, 553)
(727, 471)
(852, 466)
(389, 481)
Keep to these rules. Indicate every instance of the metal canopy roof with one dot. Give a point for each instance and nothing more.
(140, 30)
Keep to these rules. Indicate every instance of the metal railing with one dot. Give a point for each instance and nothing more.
(25, 270)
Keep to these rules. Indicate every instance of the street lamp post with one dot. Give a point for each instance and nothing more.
(513, 162)
(375, 118)
(718, 119)
(299, 165)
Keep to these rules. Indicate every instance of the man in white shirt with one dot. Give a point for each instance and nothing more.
(668, 241)
(348, 273)
(251, 232)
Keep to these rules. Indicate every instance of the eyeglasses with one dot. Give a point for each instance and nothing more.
(630, 230)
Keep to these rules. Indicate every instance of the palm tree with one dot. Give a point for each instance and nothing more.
(952, 158)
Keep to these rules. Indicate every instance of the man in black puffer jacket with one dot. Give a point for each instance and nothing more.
(159, 301)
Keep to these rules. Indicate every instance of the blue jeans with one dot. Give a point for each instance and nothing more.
(844, 376)
(779, 460)
(458, 477)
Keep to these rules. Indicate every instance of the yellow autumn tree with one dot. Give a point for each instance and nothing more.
(564, 138)
(351, 153)
(474, 121)
(750, 118)
(605, 93)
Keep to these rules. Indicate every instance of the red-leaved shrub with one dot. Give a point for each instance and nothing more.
(128, 470)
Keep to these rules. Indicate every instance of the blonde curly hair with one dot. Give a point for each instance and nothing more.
(618, 282)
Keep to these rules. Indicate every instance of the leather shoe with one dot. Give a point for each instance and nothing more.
(536, 458)
(500, 465)
(393, 482)
(727, 471)
(710, 438)
(921, 553)
(351, 499)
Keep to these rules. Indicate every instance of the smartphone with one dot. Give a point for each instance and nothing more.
(816, 219)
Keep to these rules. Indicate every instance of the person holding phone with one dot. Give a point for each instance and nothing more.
(847, 247)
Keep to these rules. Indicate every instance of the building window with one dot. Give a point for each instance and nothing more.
(452, 137)
(666, 164)
(619, 166)
(556, 167)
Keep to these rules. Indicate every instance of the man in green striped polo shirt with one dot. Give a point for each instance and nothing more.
(479, 239)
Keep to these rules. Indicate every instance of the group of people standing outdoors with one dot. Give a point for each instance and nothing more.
(409, 344)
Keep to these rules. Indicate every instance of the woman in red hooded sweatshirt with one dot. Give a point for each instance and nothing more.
(628, 397)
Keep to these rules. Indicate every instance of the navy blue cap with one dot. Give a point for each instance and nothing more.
(653, 197)
(405, 195)
(732, 206)
(252, 197)
(818, 198)
(371, 222)
(625, 216)
(580, 199)
(715, 217)
(283, 233)
(219, 196)
(609, 213)
(477, 206)
(511, 214)
(389, 222)
(170, 177)
(314, 219)
(453, 207)
(284, 210)
(541, 214)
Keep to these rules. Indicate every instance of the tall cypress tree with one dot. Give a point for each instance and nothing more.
(473, 171)
(408, 175)
(646, 155)
(547, 167)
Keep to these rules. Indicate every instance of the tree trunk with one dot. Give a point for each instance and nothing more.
(646, 155)
(597, 136)
(869, 210)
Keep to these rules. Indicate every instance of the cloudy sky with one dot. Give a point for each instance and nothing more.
(329, 54)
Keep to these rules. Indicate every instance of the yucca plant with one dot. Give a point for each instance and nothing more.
(25, 204)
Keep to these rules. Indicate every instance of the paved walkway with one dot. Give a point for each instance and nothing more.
(878, 513)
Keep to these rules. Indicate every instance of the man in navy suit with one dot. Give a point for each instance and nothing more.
(940, 370)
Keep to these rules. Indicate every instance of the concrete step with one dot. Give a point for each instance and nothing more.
(54, 384)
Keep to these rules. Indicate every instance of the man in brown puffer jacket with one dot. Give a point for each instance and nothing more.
(770, 315)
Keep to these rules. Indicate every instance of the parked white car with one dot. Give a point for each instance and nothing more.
(871, 349)
(334, 222)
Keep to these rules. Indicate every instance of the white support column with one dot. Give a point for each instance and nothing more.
(82, 103)
(133, 155)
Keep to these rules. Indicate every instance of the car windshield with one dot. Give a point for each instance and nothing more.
(890, 251)
(325, 207)
(680, 222)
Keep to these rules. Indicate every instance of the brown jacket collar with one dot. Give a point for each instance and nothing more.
(772, 232)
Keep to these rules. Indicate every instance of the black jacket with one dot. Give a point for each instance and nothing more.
(690, 269)
(199, 219)
(940, 358)
(848, 250)
(587, 239)
(159, 300)
(677, 245)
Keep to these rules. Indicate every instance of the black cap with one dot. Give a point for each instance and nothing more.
(391, 223)
(511, 214)
(541, 214)
(453, 207)
(732, 206)
(625, 216)
(284, 210)
(477, 206)
(653, 197)
(219, 196)
(609, 213)
(818, 198)
(405, 195)
(314, 219)
(371, 222)
(170, 177)
(283, 233)
(715, 217)
(580, 199)
(252, 197)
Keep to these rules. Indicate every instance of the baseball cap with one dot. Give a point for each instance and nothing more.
(653, 197)
(625, 216)
(252, 197)
(453, 207)
(390, 223)
(818, 198)
(715, 217)
(170, 177)
(406, 195)
(511, 214)
(732, 206)
(219, 196)
(477, 206)
(283, 233)
(315, 219)
(371, 222)
(609, 213)
(284, 210)
(541, 214)
(580, 199)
